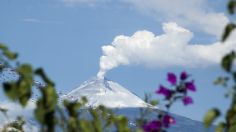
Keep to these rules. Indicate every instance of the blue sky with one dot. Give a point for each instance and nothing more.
(65, 38)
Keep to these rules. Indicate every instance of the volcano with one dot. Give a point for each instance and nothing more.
(102, 91)
(105, 92)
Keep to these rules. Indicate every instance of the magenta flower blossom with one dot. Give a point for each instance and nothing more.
(168, 120)
(164, 91)
(153, 126)
(187, 100)
(183, 76)
(190, 86)
(171, 77)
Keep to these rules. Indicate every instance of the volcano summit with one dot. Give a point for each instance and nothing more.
(101, 91)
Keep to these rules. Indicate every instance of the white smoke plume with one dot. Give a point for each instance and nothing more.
(172, 48)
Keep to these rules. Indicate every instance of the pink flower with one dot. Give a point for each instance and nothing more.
(171, 77)
(168, 120)
(190, 86)
(183, 76)
(164, 91)
(153, 126)
(187, 100)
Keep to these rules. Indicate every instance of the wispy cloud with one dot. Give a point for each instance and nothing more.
(194, 14)
(91, 3)
(33, 20)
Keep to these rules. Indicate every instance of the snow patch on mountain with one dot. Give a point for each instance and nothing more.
(101, 91)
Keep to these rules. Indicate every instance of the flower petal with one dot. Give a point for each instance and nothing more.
(168, 120)
(171, 77)
(154, 125)
(190, 86)
(164, 91)
(183, 76)
(187, 100)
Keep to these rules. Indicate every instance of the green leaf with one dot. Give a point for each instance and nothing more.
(227, 61)
(10, 55)
(121, 124)
(220, 127)
(45, 78)
(232, 128)
(50, 97)
(230, 118)
(20, 90)
(72, 107)
(231, 6)
(72, 124)
(24, 84)
(46, 105)
(25, 69)
(10, 90)
(96, 120)
(3, 47)
(228, 29)
(40, 111)
(210, 117)
(154, 102)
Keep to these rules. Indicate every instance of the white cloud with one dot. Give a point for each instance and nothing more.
(80, 1)
(87, 2)
(172, 48)
(33, 20)
(194, 14)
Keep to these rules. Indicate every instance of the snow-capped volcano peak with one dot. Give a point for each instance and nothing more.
(101, 91)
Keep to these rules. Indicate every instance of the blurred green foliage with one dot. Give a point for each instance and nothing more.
(227, 63)
(20, 90)
(231, 6)
(211, 116)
